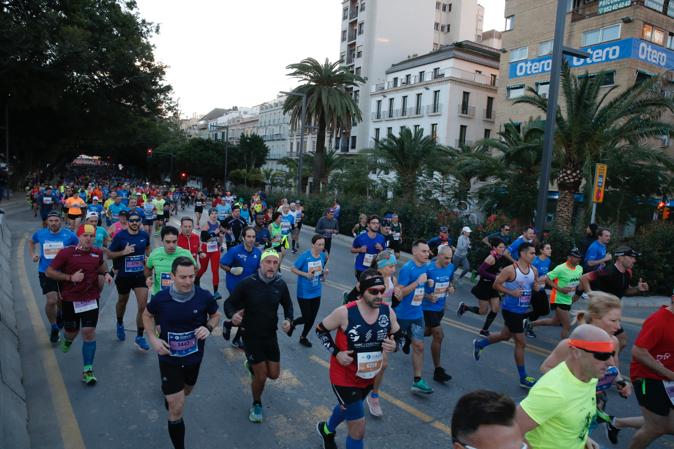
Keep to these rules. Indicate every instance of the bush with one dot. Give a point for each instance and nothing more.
(656, 263)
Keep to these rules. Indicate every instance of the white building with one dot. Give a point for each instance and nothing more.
(449, 93)
(378, 33)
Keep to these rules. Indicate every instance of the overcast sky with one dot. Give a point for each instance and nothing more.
(223, 53)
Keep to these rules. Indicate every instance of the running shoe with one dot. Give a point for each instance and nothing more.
(527, 382)
(226, 330)
(374, 406)
(141, 342)
(54, 335)
(484, 332)
(88, 377)
(421, 387)
(611, 432)
(439, 375)
(528, 328)
(65, 345)
(304, 341)
(121, 334)
(217, 295)
(255, 414)
(328, 438)
(476, 349)
(294, 250)
(461, 309)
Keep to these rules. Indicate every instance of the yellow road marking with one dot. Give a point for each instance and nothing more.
(427, 419)
(68, 426)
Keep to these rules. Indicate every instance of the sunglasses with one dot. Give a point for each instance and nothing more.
(134, 220)
(376, 291)
(601, 356)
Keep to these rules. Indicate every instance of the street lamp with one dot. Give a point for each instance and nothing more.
(558, 51)
(226, 128)
(301, 148)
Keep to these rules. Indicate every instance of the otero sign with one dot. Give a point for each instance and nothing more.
(606, 6)
(631, 48)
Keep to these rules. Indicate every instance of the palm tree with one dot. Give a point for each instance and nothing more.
(409, 154)
(330, 106)
(592, 124)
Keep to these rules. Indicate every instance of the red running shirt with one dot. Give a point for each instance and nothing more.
(656, 336)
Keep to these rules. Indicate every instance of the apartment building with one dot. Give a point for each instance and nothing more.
(449, 94)
(628, 40)
(376, 34)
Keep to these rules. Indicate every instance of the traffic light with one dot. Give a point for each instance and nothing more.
(183, 176)
(149, 153)
(665, 214)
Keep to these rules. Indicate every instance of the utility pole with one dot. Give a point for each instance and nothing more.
(300, 151)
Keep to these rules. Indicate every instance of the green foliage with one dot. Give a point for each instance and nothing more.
(656, 263)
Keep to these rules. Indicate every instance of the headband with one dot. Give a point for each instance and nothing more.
(268, 253)
(593, 346)
(86, 228)
(387, 262)
(371, 282)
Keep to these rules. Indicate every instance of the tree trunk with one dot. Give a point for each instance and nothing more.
(319, 157)
(564, 213)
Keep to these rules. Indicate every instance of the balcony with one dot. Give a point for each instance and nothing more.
(379, 86)
(353, 14)
(460, 142)
(488, 115)
(480, 78)
(435, 109)
(352, 34)
(466, 111)
(377, 117)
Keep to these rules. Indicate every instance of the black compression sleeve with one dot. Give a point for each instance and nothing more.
(326, 339)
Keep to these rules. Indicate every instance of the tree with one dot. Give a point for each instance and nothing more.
(408, 155)
(592, 124)
(252, 151)
(330, 107)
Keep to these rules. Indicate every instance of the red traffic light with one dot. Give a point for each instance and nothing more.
(149, 152)
(183, 175)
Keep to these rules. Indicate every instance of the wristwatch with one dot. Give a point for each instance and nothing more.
(209, 327)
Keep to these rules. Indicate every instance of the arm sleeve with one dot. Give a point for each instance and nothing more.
(287, 303)
(484, 273)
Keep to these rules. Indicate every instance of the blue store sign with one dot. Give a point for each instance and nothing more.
(631, 48)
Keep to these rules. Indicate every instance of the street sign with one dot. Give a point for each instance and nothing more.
(599, 183)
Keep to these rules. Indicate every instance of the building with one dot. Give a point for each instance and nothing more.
(200, 128)
(378, 33)
(448, 93)
(629, 40)
(493, 39)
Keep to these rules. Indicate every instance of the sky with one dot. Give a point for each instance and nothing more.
(224, 53)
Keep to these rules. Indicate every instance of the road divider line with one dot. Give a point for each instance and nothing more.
(425, 418)
(65, 416)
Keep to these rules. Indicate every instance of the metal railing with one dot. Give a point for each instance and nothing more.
(467, 111)
(434, 109)
(488, 114)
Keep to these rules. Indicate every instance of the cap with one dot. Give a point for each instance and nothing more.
(95, 198)
(626, 251)
(54, 214)
(575, 252)
(443, 229)
(268, 253)
(466, 229)
(86, 228)
(123, 213)
(91, 214)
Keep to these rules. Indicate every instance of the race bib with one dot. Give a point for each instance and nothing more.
(47, 200)
(198, 203)
(165, 280)
(85, 306)
(317, 265)
(51, 249)
(440, 290)
(285, 227)
(396, 236)
(525, 299)
(669, 388)
(182, 344)
(369, 364)
(134, 264)
(212, 246)
(418, 297)
(367, 259)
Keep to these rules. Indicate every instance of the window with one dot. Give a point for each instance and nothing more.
(389, 131)
(408, 79)
(517, 54)
(291, 146)
(657, 5)
(358, 70)
(447, 29)
(545, 48)
(465, 99)
(395, 81)
(487, 133)
(345, 13)
(653, 34)
(436, 73)
(422, 76)
(403, 111)
(449, 7)
(390, 107)
(444, 7)
(515, 91)
(509, 23)
(362, 6)
(376, 134)
(437, 5)
(607, 78)
(492, 80)
(543, 88)
(359, 51)
(600, 35)
(442, 28)
(353, 142)
(436, 101)
(463, 129)
(342, 56)
(361, 27)
(378, 109)
(670, 38)
(670, 9)
(436, 26)
(489, 112)
(417, 107)
(343, 35)
(401, 129)
(356, 95)
(417, 128)
(434, 131)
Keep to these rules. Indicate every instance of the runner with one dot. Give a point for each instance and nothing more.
(159, 203)
(596, 255)
(52, 240)
(327, 226)
(234, 226)
(279, 242)
(295, 233)
(355, 357)
(287, 223)
(128, 251)
(461, 255)
(441, 239)
(311, 271)
(95, 207)
(412, 279)
(359, 227)
(262, 236)
(189, 240)
(115, 208)
(77, 268)
(199, 202)
(502, 234)
(563, 281)
(558, 410)
(102, 238)
(540, 303)
(528, 236)
(652, 371)
(185, 316)
(397, 233)
(47, 201)
(120, 224)
(440, 275)
(150, 211)
(367, 245)
(210, 249)
(489, 300)
(516, 282)
(253, 305)
(158, 264)
(76, 207)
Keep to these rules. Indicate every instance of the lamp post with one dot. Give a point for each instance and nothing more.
(300, 151)
(558, 52)
(226, 128)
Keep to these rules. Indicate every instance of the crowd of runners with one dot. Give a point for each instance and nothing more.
(96, 232)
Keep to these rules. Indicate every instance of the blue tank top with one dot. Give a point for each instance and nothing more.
(524, 282)
(606, 381)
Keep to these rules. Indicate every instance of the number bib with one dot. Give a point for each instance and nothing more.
(198, 203)
(134, 264)
(369, 364)
(47, 200)
(51, 249)
(669, 388)
(418, 297)
(396, 236)
(525, 299)
(182, 344)
(367, 259)
(85, 306)
(212, 246)
(317, 265)
(165, 280)
(440, 290)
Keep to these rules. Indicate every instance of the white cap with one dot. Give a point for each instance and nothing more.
(466, 229)
(91, 214)
(95, 198)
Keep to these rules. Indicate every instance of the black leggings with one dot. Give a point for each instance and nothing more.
(309, 308)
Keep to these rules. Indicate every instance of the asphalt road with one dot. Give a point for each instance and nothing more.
(125, 409)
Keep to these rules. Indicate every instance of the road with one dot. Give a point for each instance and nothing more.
(125, 409)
